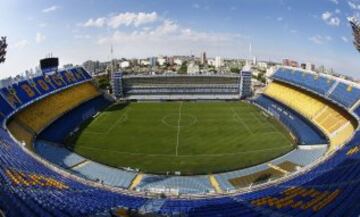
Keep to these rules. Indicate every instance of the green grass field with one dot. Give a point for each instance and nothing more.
(191, 137)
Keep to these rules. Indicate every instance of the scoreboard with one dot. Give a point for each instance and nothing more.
(49, 65)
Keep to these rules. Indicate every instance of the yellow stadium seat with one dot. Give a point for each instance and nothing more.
(337, 124)
(20, 133)
(40, 114)
(301, 102)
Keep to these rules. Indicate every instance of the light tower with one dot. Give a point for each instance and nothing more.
(355, 25)
(3, 46)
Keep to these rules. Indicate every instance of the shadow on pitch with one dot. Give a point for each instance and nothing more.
(72, 139)
(118, 106)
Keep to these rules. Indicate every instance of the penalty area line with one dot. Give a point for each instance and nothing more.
(241, 121)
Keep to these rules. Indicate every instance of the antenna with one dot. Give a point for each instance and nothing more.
(250, 50)
(112, 52)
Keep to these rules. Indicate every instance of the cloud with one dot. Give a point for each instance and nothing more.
(42, 25)
(50, 9)
(280, 19)
(39, 37)
(167, 37)
(79, 36)
(330, 19)
(123, 19)
(335, 1)
(353, 5)
(319, 39)
(128, 19)
(99, 22)
(345, 39)
(334, 21)
(326, 15)
(196, 6)
(21, 44)
(169, 30)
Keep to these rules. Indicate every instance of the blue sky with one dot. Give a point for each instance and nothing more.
(77, 30)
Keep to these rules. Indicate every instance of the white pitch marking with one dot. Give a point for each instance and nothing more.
(121, 119)
(241, 121)
(178, 130)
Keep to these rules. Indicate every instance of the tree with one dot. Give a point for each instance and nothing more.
(261, 77)
(235, 70)
(183, 68)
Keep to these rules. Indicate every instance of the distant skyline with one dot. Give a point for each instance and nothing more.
(79, 30)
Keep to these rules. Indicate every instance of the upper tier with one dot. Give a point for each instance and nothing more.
(21, 94)
(340, 91)
(37, 116)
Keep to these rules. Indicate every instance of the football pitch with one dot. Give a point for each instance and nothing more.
(190, 137)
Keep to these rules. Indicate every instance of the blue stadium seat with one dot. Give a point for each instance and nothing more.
(336, 90)
(314, 82)
(30, 187)
(305, 131)
(63, 126)
(345, 94)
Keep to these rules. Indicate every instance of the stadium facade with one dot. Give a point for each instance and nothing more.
(319, 178)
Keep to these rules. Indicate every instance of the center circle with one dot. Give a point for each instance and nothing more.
(179, 120)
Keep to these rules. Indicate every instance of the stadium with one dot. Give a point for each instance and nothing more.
(309, 167)
(180, 145)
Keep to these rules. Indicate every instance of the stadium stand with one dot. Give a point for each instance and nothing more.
(314, 82)
(82, 166)
(181, 86)
(67, 123)
(183, 185)
(304, 131)
(345, 94)
(297, 157)
(104, 174)
(337, 124)
(57, 154)
(357, 111)
(20, 132)
(38, 115)
(32, 187)
(335, 89)
(286, 93)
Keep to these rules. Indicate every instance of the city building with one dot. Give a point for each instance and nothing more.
(219, 62)
(178, 61)
(289, 62)
(203, 60)
(124, 64)
(161, 61)
(193, 68)
(153, 61)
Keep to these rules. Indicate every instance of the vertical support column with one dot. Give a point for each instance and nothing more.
(245, 83)
(117, 84)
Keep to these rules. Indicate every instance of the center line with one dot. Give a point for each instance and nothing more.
(178, 130)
